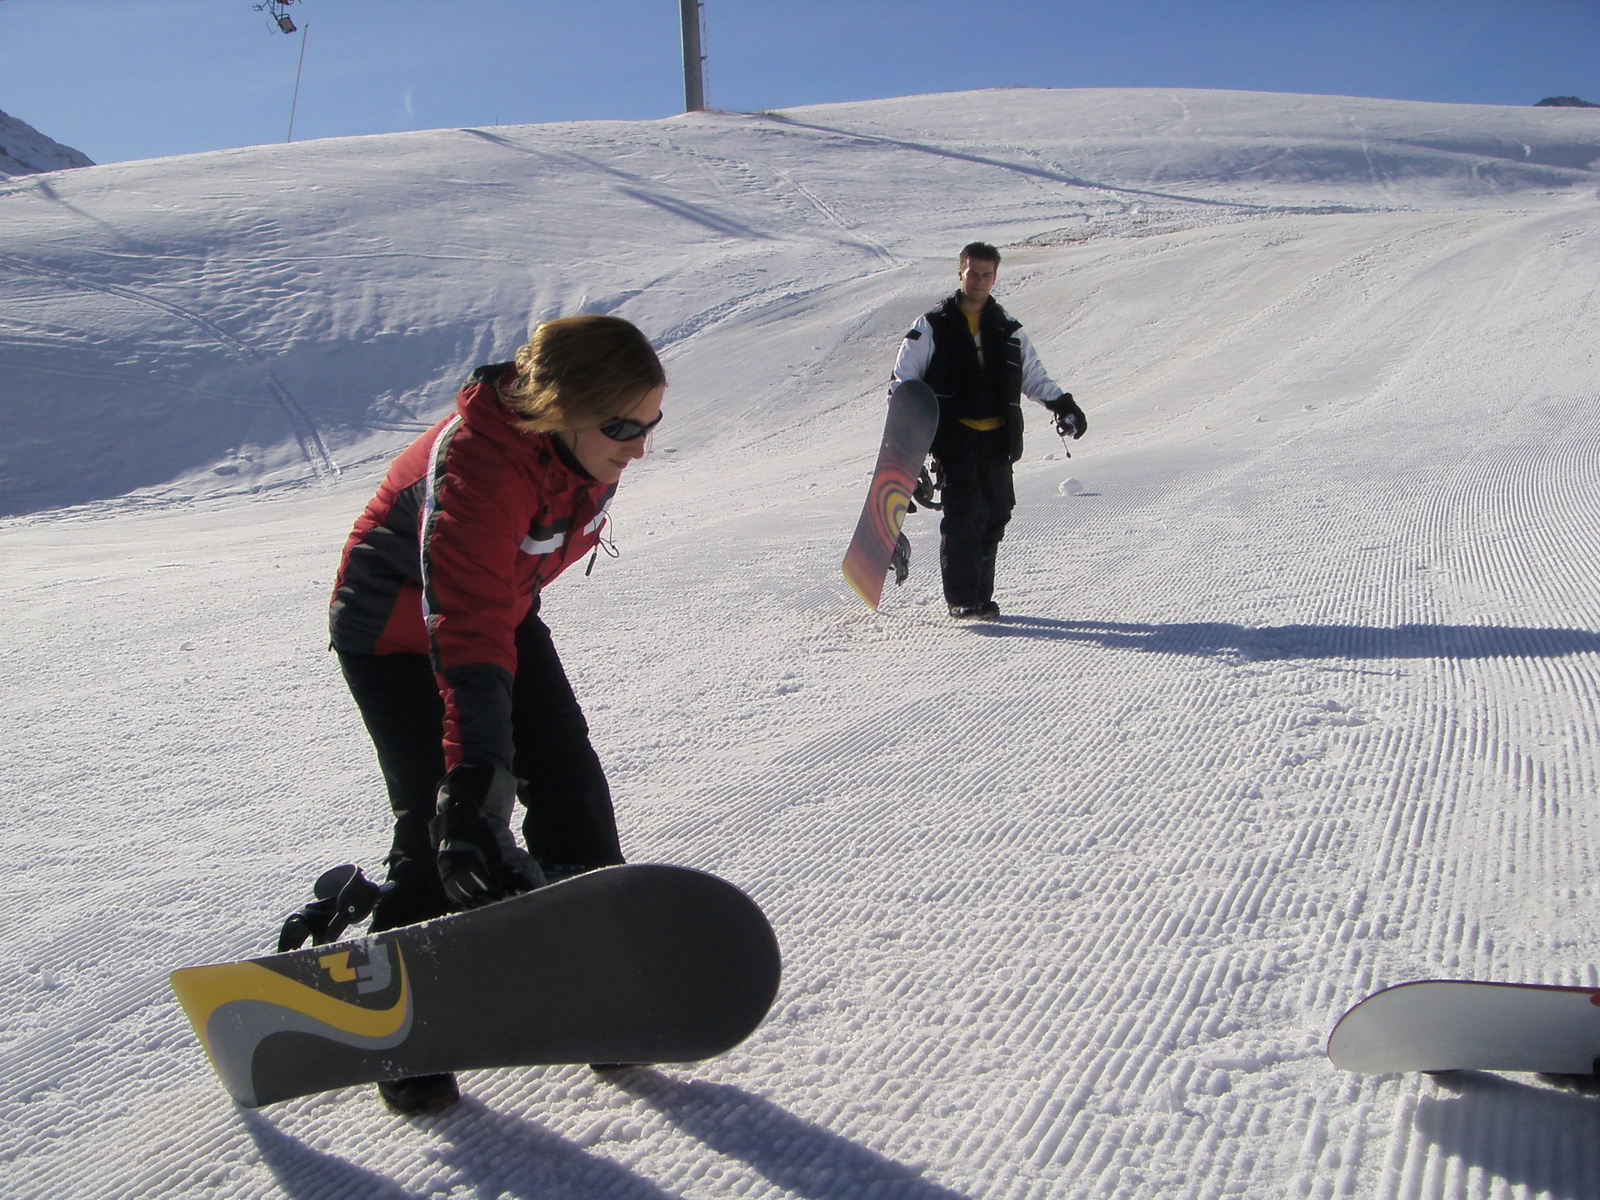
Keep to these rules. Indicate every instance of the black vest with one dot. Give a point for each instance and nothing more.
(966, 389)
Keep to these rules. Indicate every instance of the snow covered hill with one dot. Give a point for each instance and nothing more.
(25, 151)
(250, 317)
(1294, 695)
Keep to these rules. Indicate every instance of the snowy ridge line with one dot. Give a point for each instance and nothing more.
(26, 150)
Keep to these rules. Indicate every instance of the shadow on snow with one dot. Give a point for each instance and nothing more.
(487, 1153)
(1204, 639)
(494, 1153)
(1545, 1141)
(802, 1158)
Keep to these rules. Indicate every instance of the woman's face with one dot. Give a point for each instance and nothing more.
(606, 458)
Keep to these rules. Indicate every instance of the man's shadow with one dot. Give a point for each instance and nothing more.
(1217, 639)
(793, 1154)
(1543, 1140)
(491, 1153)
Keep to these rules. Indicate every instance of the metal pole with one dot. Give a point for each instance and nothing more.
(293, 104)
(694, 88)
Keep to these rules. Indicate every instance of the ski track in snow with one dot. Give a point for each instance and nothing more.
(1293, 701)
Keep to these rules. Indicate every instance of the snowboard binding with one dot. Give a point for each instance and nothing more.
(929, 487)
(900, 560)
(927, 492)
(343, 896)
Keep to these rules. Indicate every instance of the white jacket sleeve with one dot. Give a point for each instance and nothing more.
(916, 351)
(1036, 384)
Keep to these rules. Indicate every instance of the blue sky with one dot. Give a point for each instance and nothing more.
(121, 80)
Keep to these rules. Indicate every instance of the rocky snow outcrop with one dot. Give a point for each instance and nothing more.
(26, 151)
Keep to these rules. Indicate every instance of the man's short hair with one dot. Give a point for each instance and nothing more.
(980, 250)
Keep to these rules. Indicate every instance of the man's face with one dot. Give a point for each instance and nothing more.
(977, 276)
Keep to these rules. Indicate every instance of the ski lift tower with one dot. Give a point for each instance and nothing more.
(691, 15)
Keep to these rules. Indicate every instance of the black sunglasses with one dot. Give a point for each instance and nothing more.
(626, 429)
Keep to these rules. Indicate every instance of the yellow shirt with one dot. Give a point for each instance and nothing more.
(983, 424)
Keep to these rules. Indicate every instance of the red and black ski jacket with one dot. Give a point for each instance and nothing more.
(472, 519)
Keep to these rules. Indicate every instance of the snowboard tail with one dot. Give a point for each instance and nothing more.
(907, 433)
(638, 963)
(1457, 1025)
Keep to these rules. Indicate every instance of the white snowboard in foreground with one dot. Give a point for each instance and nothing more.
(1454, 1025)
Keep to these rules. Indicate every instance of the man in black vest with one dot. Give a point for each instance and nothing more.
(980, 364)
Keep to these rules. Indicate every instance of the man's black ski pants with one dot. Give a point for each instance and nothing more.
(978, 499)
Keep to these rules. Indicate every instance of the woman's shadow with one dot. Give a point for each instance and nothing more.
(795, 1155)
(499, 1154)
(489, 1153)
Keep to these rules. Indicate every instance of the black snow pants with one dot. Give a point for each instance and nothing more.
(569, 820)
(978, 499)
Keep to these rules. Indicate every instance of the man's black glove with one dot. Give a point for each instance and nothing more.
(1070, 421)
(479, 860)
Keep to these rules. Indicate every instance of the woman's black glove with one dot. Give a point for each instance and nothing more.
(479, 860)
(1070, 421)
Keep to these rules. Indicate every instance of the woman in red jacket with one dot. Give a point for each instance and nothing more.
(435, 619)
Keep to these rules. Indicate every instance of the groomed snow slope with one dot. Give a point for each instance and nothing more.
(1293, 699)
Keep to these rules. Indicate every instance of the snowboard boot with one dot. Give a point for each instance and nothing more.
(412, 894)
(973, 612)
(419, 1095)
(987, 610)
